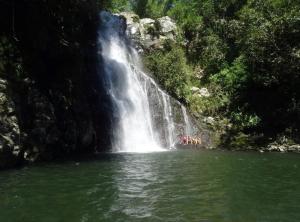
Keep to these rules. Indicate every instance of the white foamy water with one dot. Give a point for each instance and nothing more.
(188, 125)
(129, 88)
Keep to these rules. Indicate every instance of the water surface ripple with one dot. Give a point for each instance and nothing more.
(169, 186)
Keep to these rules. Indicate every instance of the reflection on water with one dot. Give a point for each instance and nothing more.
(168, 186)
(133, 178)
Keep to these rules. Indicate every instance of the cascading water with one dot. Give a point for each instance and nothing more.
(134, 94)
(133, 131)
(188, 125)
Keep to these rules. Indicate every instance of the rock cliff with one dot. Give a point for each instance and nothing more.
(50, 92)
(149, 34)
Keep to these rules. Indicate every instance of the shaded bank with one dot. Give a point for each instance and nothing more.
(49, 85)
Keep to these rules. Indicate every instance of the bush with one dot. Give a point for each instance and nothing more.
(171, 70)
(232, 78)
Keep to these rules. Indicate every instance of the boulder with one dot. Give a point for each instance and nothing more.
(204, 92)
(194, 89)
(272, 147)
(147, 22)
(209, 120)
(9, 128)
(294, 148)
(130, 17)
(3, 84)
(147, 33)
(167, 25)
(199, 72)
(133, 28)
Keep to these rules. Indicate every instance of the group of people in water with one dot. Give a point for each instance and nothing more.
(184, 140)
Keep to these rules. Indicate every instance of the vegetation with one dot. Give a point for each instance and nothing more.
(248, 54)
(173, 76)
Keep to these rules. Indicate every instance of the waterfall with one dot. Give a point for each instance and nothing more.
(169, 120)
(142, 112)
(188, 130)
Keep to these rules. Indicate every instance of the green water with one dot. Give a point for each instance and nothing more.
(169, 186)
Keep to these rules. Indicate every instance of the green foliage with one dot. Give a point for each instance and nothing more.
(119, 6)
(186, 16)
(171, 70)
(156, 9)
(270, 44)
(249, 52)
(209, 106)
(144, 8)
(241, 141)
(210, 51)
(232, 78)
(243, 120)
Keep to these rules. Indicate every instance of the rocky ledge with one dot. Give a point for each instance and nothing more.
(283, 148)
(9, 128)
(149, 34)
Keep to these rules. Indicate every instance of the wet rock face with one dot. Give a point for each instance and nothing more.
(149, 34)
(38, 125)
(165, 107)
(9, 128)
(49, 86)
(59, 125)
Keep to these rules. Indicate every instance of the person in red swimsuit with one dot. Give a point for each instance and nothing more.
(183, 140)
